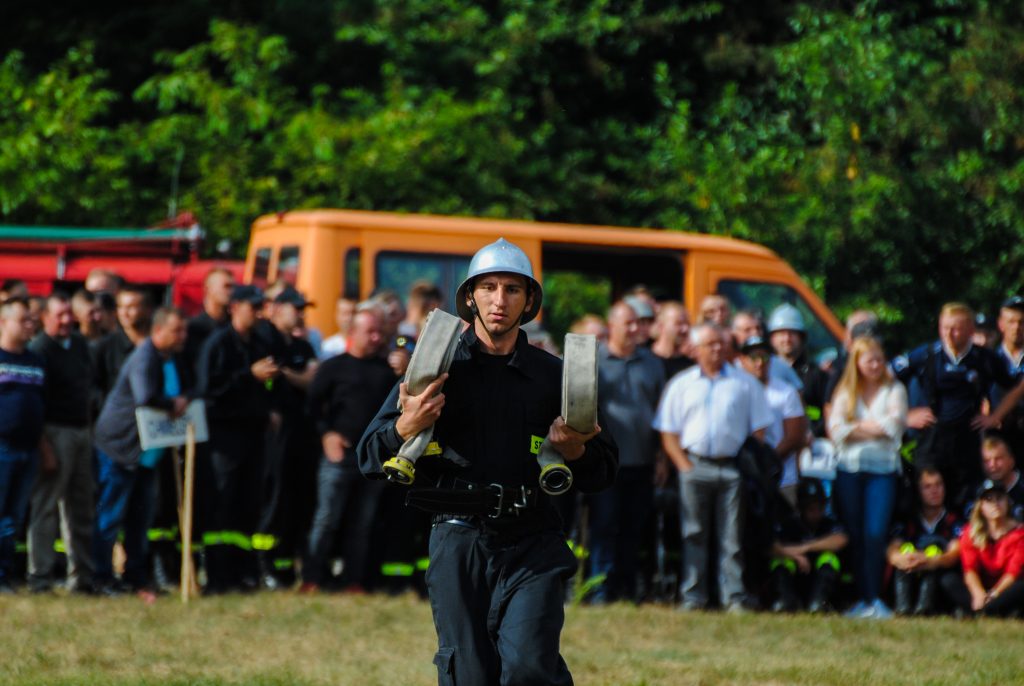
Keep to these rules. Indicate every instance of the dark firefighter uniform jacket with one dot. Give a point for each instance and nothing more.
(498, 409)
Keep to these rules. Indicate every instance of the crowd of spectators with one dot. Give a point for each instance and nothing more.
(752, 475)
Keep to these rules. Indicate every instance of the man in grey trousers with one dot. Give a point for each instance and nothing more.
(65, 486)
(706, 414)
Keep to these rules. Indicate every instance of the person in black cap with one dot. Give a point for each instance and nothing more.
(992, 556)
(289, 482)
(235, 375)
(805, 568)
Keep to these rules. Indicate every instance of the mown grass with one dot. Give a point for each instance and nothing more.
(286, 640)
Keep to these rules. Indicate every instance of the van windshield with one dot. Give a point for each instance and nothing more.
(765, 297)
(398, 271)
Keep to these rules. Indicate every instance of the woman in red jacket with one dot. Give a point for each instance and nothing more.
(992, 554)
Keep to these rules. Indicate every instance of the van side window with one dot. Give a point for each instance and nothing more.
(763, 296)
(352, 273)
(398, 271)
(261, 267)
(288, 264)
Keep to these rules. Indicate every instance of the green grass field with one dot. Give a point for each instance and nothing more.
(283, 639)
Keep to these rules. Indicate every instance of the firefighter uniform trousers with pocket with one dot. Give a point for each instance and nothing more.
(496, 594)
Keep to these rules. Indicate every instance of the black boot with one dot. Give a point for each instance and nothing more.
(823, 586)
(926, 594)
(787, 597)
(903, 588)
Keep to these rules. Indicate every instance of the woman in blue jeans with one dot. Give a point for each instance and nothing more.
(868, 416)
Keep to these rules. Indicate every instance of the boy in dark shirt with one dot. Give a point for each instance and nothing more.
(21, 426)
(806, 562)
(925, 549)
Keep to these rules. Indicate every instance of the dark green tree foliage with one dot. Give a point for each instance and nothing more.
(876, 146)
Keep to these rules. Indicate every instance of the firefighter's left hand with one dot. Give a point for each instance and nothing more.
(567, 440)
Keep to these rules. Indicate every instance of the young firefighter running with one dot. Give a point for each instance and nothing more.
(496, 576)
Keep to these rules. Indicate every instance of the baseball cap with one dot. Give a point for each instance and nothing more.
(247, 293)
(1014, 302)
(990, 486)
(290, 296)
(755, 343)
(640, 306)
(810, 490)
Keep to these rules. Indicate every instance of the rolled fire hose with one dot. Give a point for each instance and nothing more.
(431, 358)
(579, 408)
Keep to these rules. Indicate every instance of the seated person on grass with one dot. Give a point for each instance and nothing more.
(805, 568)
(992, 556)
(925, 549)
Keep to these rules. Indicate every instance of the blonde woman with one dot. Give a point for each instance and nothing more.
(992, 555)
(869, 414)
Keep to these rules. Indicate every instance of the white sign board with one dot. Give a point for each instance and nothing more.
(158, 430)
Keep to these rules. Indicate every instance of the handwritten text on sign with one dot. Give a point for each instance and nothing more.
(158, 430)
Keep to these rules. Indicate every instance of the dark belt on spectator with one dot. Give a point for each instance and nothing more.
(711, 458)
(455, 498)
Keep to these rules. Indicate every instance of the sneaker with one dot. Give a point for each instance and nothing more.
(879, 610)
(857, 611)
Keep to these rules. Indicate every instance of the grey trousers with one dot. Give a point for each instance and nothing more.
(68, 492)
(711, 488)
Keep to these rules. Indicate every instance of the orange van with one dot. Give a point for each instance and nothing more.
(326, 253)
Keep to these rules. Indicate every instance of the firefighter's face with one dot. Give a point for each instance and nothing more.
(501, 300)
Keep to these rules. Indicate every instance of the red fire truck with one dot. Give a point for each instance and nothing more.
(166, 259)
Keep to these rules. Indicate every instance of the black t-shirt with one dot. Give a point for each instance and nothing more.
(69, 377)
(296, 356)
(674, 365)
(346, 393)
(22, 376)
(199, 329)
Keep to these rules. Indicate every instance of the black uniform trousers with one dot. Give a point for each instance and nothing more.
(236, 465)
(289, 493)
(497, 605)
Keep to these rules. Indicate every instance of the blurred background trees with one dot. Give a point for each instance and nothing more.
(877, 146)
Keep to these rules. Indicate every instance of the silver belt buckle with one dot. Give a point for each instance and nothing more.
(500, 490)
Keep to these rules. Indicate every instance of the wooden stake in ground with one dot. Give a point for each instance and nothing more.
(188, 581)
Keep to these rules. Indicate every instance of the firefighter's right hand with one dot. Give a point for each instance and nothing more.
(419, 411)
(334, 446)
(264, 369)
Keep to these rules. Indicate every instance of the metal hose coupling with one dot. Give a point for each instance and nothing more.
(579, 408)
(432, 357)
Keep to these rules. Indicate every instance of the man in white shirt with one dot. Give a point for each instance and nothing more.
(705, 415)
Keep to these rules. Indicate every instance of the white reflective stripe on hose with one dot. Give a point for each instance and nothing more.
(579, 391)
(431, 358)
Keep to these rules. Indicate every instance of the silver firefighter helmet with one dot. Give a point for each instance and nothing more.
(785, 317)
(500, 257)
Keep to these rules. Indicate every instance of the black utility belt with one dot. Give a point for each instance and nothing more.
(711, 458)
(459, 498)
